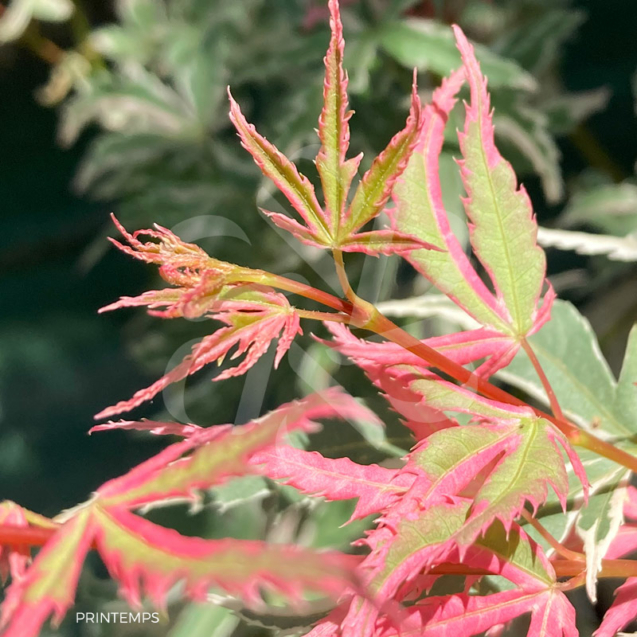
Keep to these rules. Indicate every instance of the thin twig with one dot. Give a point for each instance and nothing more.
(557, 546)
(555, 405)
(342, 276)
(365, 316)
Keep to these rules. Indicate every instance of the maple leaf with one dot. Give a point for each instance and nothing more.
(622, 611)
(532, 457)
(335, 479)
(384, 365)
(552, 615)
(197, 278)
(152, 426)
(588, 392)
(420, 210)
(51, 580)
(240, 567)
(462, 347)
(146, 558)
(514, 457)
(502, 230)
(201, 284)
(218, 453)
(335, 171)
(337, 226)
(418, 533)
(251, 325)
(410, 540)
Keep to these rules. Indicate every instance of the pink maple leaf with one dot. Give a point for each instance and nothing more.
(335, 479)
(497, 214)
(622, 611)
(148, 559)
(552, 615)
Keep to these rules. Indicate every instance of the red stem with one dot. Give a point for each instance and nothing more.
(365, 316)
(610, 568)
(576, 436)
(555, 405)
(24, 535)
(19, 536)
(342, 277)
(296, 287)
(557, 546)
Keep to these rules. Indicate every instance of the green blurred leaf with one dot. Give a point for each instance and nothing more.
(430, 46)
(201, 620)
(611, 208)
(527, 129)
(328, 526)
(239, 491)
(625, 404)
(397, 7)
(17, 16)
(535, 44)
(566, 110)
(599, 523)
(144, 14)
(52, 10)
(136, 101)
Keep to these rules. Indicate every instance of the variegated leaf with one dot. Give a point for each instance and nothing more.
(336, 225)
(335, 479)
(335, 171)
(623, 610)
(552, 615)
(504, 231)
(219, 453)
(146, 558)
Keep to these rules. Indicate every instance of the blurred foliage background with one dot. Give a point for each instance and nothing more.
(120, 106)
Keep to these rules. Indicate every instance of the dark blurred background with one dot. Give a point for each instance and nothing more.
(120, 107)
